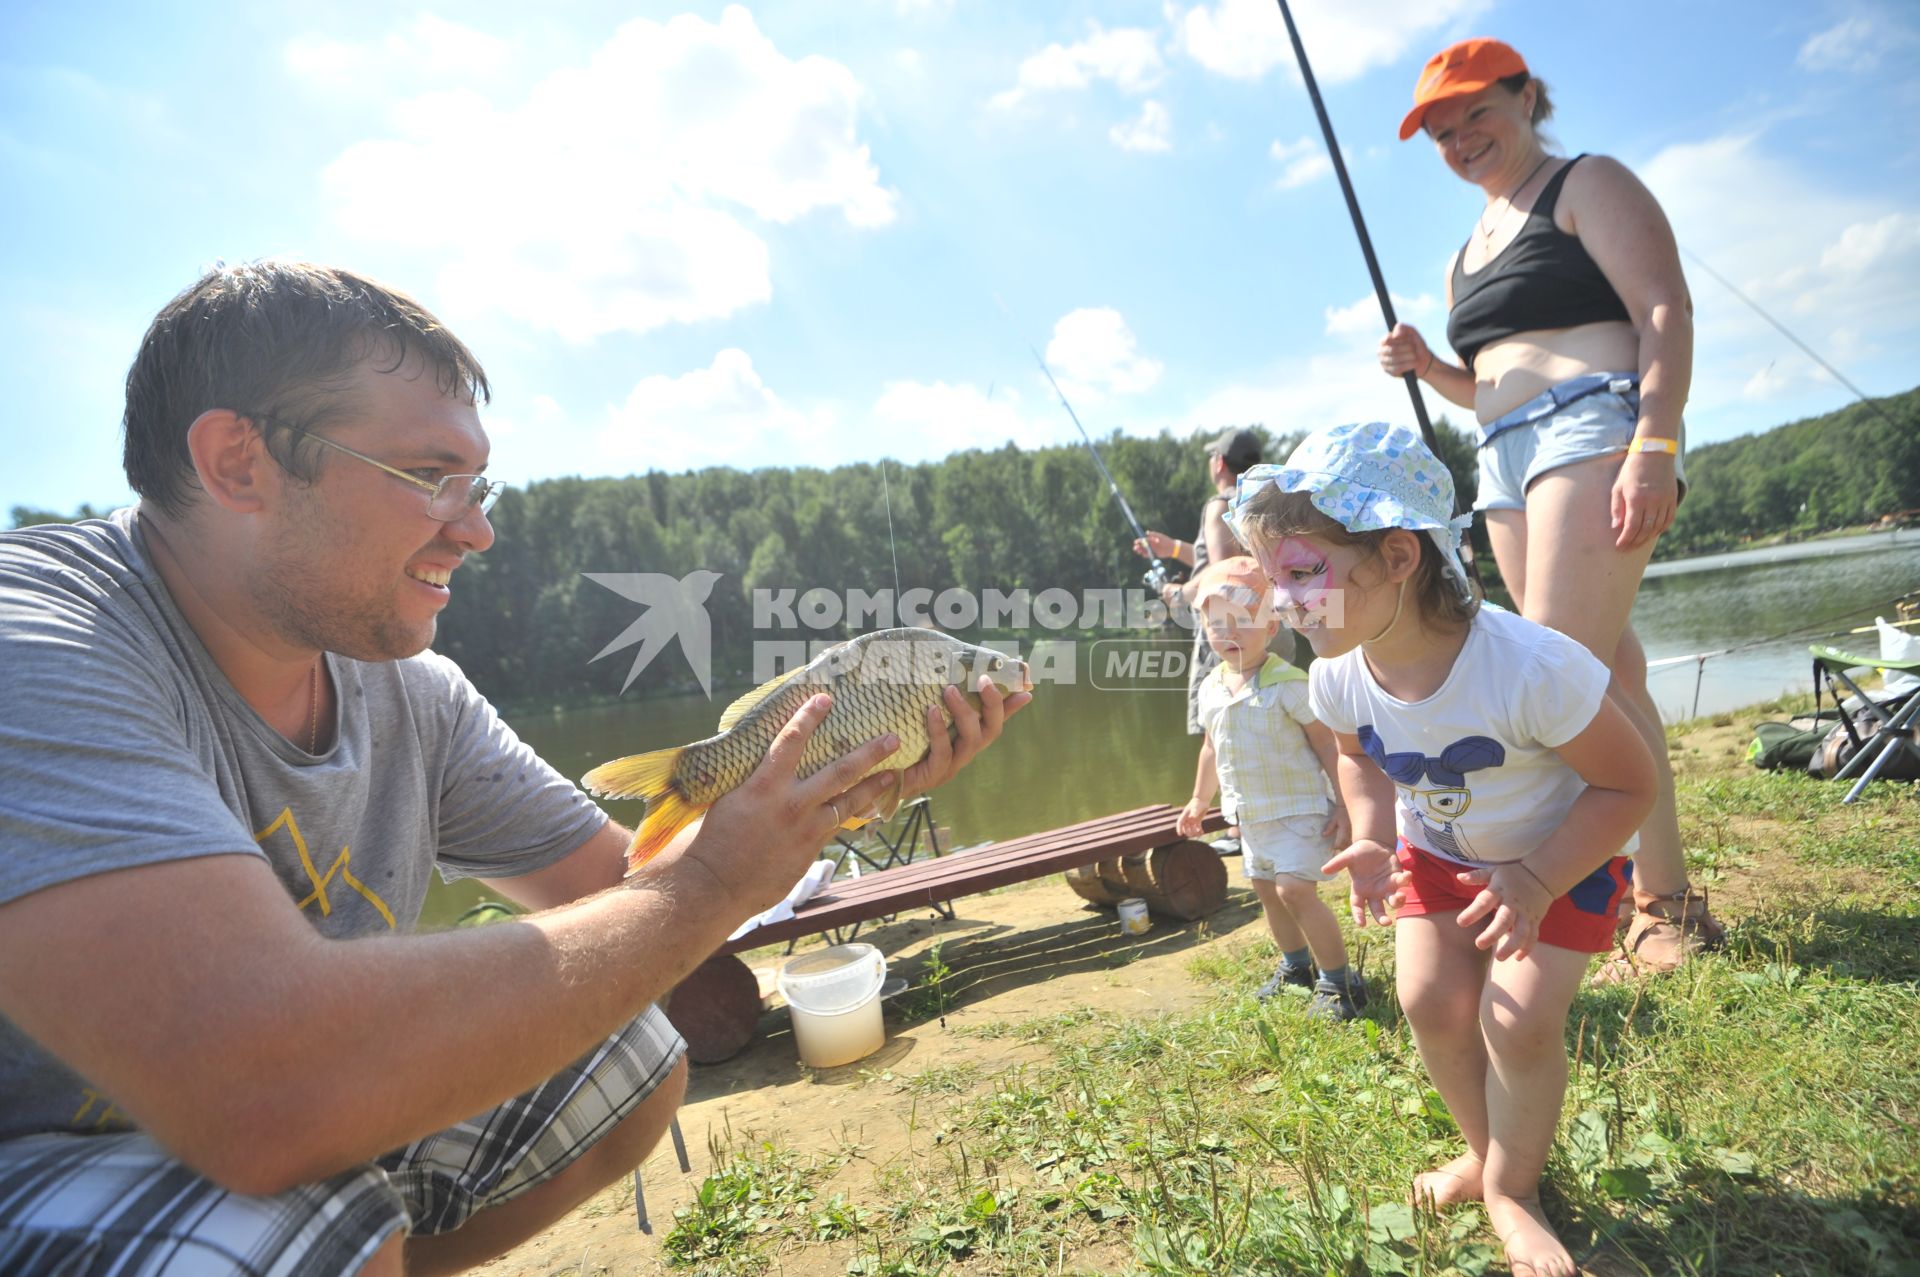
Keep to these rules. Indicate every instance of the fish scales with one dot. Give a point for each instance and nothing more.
(881, 683)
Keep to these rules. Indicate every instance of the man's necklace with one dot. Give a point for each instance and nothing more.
(1486, 232)
(313, 707)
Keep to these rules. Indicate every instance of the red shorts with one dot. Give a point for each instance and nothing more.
(1583, 920)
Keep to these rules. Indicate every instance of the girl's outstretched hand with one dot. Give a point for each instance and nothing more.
(1373, 873)
(1514, 902)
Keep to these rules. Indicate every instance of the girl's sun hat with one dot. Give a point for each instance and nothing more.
(1367, 477)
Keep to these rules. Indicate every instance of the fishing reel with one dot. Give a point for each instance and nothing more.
(1156, 579)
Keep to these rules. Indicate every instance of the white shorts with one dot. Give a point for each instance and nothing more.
(1291, 845)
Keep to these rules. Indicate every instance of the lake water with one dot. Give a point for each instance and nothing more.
(1755, 612)
(1108, 741)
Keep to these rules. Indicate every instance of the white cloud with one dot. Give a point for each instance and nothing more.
(723, 414)
(1244, 39)
(1094, 354)
(625, 183)
(919, 421)
(1153, 131)
(1340, 382)
(1829, 266)
(1300, 162)
(1128, 57)
(1363, 319)
(1851, 45)
(430, 47)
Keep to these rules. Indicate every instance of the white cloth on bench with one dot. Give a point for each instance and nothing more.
(817, 876)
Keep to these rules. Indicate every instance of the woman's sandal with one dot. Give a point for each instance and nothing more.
(1665, 932)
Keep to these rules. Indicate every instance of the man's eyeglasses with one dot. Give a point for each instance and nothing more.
(448, 500)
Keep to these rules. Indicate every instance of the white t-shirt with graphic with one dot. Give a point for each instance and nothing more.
(1473, 766)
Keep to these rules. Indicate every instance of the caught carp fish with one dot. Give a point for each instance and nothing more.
(880, 682)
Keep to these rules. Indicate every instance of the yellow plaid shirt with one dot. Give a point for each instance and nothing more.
(1267, 769)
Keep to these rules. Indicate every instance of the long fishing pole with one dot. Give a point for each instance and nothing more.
(1359, 223)
(1157, 577)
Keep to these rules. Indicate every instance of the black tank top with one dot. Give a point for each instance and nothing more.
(1543, 279)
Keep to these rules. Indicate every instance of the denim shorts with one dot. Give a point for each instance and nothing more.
(79, 1205)
(1543, 435)
(1291, 845)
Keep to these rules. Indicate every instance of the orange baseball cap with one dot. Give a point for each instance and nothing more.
(1458, 71)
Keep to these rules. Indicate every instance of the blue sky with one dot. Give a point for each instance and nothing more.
(682, 235)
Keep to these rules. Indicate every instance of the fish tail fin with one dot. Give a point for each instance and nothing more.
(647, 776)
(666, 816)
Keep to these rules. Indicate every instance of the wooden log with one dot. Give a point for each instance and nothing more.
(1189, 880)
(716, 1009)
(1089, 885)
(1182, 880)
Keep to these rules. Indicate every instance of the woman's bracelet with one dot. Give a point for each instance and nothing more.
(1422, 374)
(1655, 444)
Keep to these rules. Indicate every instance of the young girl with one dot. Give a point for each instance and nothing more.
(1488, 745)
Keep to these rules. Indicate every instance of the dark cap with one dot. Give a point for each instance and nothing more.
(1239, 447)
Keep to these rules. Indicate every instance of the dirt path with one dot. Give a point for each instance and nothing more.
(1025, 953)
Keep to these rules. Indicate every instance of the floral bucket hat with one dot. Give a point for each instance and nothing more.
(1368, 476)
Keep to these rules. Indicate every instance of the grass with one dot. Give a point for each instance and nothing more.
(1757, 1113)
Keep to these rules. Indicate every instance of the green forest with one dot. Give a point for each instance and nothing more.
(525, 622)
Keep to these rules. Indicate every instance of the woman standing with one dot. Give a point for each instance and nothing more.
(1570, 315)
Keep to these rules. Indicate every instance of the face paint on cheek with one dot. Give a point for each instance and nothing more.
(1306, 584)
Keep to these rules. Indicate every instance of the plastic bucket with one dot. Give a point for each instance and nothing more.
(834, 997)
(1134, 919)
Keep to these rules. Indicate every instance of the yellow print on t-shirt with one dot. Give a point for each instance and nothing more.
(339, 868)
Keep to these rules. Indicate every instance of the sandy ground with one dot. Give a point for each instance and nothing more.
(1027, 952)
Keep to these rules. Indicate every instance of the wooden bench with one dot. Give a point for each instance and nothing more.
(1132, 853)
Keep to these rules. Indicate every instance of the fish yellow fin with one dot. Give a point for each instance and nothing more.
(666, 816)
(740, 708)
(648, 776)
(887, 805)
(638, 776)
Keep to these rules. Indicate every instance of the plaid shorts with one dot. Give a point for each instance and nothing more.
(80, 1205)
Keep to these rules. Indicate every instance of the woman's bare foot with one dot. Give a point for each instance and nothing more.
(1532, 1248)
(1450, 1185)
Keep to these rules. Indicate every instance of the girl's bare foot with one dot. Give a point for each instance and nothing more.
(1532, 1248)
(1450, 1185)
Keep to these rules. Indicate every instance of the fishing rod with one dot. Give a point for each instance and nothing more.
(1157, 578)
(1373, 264)
(1359, 223)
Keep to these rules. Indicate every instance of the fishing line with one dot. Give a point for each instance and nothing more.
(1812, 354)
(1816, 630)
(887, 492)
(1157, 577)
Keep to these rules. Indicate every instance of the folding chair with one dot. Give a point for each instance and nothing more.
(639, 1195)
(1893, 731)
(900, 849)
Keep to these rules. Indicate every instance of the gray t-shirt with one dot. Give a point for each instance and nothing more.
(122, 744)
